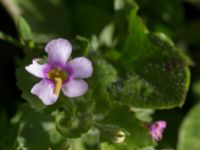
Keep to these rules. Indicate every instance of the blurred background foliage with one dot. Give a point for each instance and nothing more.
(179, 20)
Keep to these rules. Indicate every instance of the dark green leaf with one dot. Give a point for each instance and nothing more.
(64, 18)
(103, 75)
(81, 46)
(25, 82)
(137, 136)
(9, 39)
(37, 131)
(44, 24)
(76, 118)
(7, 131)
(159, 74)
(167, 18)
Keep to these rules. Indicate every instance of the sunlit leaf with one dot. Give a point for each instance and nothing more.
(24, 29)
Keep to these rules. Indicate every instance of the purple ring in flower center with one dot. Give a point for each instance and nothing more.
(58, 75)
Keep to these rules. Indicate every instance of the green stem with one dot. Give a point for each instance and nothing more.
(9, 39)
(86, 45)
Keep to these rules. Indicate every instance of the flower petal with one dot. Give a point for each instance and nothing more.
(75, 88)
(162, 124)
(81, 66)
(36, 69)
(44, 90)
(157, 129)
(58, 51)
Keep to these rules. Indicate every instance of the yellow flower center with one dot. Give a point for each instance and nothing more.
(57, 75)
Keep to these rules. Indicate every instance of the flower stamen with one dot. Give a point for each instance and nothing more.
(57, 76)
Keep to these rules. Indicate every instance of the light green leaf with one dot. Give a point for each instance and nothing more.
(189, 134)
(24, 29)
(143, 114)
(106, 36)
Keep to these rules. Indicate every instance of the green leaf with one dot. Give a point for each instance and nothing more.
(81, 46)
(147, 148)
(103, 75)
(158, 77)
(143, 114)
(137, 136)
(37, 131)
(112, 55)
(76, 118)
(25, 82)
(7, 131)
(195, 3)
(106, 36)
(24, 30)
(189, 134)
(44, 24)
(196, 88)
(119, 4)
(73, 126)
(167, 18)
(63, 18)
(9, 39)
(190, 33)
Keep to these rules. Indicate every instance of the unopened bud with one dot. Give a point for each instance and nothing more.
(119, 137)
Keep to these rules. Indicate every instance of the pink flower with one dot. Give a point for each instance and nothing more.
(157, 128)
(58, 74)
